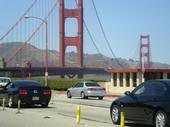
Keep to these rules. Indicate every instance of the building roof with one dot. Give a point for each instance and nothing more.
(137, 70)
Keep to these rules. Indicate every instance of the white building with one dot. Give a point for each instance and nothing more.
(127, 79)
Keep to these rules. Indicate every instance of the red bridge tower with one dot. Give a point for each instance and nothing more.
(76, 41)
(144, 52)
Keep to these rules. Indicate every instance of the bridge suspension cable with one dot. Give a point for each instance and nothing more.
(32, 35)
(104, 34)
(25, 13)
(90, 35)
(92, 40)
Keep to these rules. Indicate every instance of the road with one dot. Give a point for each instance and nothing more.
(61, 113)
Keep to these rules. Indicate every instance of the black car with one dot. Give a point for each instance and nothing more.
(148, 103)
(29, 92)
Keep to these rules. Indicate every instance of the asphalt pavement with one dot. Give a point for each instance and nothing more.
(61, 113)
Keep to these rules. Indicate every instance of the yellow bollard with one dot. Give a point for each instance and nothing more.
(78, 114)
(122, 119)
(19, 106)
(3, 103)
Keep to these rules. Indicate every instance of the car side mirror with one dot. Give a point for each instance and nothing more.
(128, 93)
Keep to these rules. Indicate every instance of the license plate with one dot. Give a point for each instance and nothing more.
(35, 98)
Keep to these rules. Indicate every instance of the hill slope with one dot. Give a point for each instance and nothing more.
(36, 56)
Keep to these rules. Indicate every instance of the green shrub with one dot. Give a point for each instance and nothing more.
(59, 83)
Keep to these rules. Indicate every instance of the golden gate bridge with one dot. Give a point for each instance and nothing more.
(34, 37)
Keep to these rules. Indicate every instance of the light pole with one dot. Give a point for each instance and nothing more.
(46, 51)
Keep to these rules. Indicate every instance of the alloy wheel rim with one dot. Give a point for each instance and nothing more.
(160, 120)
(10, 102)
(115, 114)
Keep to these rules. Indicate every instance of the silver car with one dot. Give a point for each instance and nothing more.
(85, 90)
(4, 81)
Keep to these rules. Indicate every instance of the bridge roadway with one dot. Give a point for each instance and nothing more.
(40, 71)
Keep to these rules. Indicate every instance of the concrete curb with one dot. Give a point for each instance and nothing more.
(64, 92)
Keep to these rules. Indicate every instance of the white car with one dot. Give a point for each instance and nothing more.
(85, 90)
(4, 81)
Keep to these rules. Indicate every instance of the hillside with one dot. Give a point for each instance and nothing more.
(37, 55)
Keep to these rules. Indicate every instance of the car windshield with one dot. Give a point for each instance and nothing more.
(92, 84)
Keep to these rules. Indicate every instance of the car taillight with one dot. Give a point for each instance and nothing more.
(91, 89)
(23, 92)
(103, 89)
(46, 92)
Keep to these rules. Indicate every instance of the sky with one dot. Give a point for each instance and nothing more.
(123, 21)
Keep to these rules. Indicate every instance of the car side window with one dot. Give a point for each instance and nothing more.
(10, 85)
(157, 89)
(80, 85)
(140, 90)
(76, 85)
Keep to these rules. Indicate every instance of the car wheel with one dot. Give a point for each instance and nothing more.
(83, 95)
(115, 115)
(100, 98)
(69, 94)
(11, 102)
(44, 105)
(161, 119)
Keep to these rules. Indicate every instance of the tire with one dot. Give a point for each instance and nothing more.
(100, 98)
(83, 95)
(115, 115)
(11, 103)
(69, 94)
(44, 105)
(160, 119)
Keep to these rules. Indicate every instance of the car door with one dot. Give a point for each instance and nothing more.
(141, 102)
(156, 94)
(73, 90)
(4, 91)
(10, 89)
(78, 89)
(1, 93)
(133, 106)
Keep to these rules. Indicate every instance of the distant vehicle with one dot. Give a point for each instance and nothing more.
(148, 103)
(28, 91)
(4, 81)
(85, 90)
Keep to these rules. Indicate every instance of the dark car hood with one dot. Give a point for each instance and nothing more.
(123, 99)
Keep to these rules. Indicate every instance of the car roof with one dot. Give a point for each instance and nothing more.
(87, 82)
(5, 78)
(25, 82)
(166, 81)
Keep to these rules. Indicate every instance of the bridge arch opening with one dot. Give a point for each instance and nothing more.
(70, 4)
(71, 27)
(71, 56)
